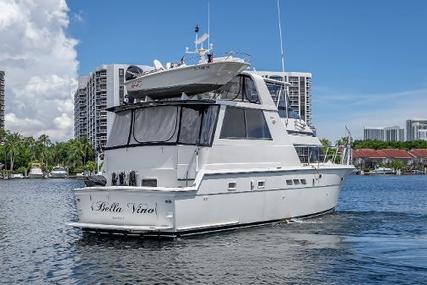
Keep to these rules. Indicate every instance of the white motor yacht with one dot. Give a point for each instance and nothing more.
(383, 171)
(36, 171)
(58, 172)
(233, 157)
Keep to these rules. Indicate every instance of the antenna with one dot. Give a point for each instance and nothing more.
(209, 24)
(280, 34)
(196, 30)
(283, 61)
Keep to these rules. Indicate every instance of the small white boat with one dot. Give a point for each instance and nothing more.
(171, 81)
(58, 172)
(383, 170)
(17, 176)
(36, 171)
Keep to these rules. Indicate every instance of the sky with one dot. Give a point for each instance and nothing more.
(368, 58)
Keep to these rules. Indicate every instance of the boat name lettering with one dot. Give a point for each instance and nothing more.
(115, 207)
(201, 67)
(140, 208)
(102, 206)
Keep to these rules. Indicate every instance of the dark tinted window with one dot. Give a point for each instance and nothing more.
(190, 126)
(234, 123)
(241, 88)
(208, 125)
(244, 123)
(256, 127)
(251, 94)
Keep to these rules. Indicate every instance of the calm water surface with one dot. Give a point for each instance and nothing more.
(378, 235)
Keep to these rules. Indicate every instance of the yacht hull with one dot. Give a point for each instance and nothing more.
(179, 213)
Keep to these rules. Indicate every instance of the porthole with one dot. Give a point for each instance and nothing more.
(232, 186)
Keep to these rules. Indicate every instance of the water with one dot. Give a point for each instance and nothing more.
(377, 235)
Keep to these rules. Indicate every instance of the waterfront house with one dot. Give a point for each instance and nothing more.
(419, 157)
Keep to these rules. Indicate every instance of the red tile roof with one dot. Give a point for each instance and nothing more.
(397, 153)
(381, 153)
(419, 153)
(368, 153)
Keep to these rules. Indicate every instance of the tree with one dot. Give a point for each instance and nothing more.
(397, 164)
(90, 166)
(12, 147)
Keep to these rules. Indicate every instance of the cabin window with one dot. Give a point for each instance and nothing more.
(155, 124)
(209, 117)
(278, 93)
(191, 120)
(288, 181)
(249, 90)
(234, 123)
(309, 154)
(256, 127)
(241, 88)
(193, 124)
(119, 134)
(244, 124)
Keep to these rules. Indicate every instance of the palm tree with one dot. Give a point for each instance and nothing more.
(12, 143)
(42, 145)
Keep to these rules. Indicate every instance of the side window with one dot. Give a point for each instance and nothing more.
(234, 123)
(251, 94)
(241, 88)
(244, 124)
(256, 127)
(190, 126)
(208, 125)
(119, 134)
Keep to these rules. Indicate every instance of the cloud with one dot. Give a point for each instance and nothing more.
(334, 110)
(40, 62)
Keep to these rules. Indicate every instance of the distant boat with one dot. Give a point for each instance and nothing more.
(383, 170)
(36, 171)
(17, 176)
(58, 172)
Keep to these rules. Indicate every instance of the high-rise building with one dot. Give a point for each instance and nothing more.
(415, 129)
(80, 108)
(102, 88)
(394, 134)
(299, 91)
(1, 100)
(422, 135)
(387, 134)
(373, 134)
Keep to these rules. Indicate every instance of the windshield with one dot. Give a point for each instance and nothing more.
(185, 124)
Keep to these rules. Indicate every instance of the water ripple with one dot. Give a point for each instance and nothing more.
(378, 235)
